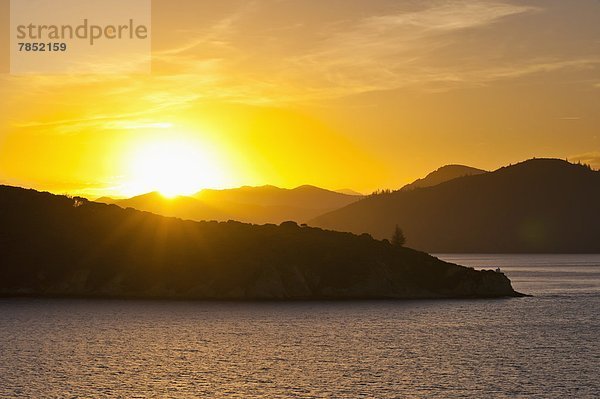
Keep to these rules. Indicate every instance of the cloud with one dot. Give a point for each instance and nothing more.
(390, 51)
(442, 17)
(356, 54)
(96, 121)
(372, 53)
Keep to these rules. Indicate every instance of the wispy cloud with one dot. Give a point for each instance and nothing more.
(94, 121)
(391, 51)
(359, 54)
(372, 53)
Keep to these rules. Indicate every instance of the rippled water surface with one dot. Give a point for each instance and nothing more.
(540, 347)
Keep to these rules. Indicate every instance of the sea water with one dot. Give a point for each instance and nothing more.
(545, 346)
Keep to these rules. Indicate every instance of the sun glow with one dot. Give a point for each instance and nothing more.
(172, 167)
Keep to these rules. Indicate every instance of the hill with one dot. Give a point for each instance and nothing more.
(270, 204)
(259, 205)
(306, 196)
(537, 206)
(348, 191)
(106, 200)
(182, 207)
(442, 175)
(55, 245)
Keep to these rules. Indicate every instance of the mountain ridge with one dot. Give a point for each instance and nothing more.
(539, 206)
(442, 175)
(259, 205)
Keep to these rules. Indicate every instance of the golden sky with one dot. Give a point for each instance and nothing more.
(336, 93)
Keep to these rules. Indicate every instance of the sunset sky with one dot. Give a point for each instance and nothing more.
(338, 93)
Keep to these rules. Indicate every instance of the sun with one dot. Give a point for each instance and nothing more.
(172, 167)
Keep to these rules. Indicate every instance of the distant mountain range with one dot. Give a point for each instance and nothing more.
(349, 191)
(540, 205)
(182, 207)
(259, 205)
(55, 245)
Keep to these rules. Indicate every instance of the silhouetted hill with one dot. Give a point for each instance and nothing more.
(182, 207)
(55, 245)
(541, 205)
(270, 204)
(443, 174)
(106, 200)
(259, 205)
(303, 197)
(348, 191)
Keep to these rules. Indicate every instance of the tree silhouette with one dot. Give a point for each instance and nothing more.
(398, 239)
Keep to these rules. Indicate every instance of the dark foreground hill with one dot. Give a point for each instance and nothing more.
(538, 206)
(55, 245)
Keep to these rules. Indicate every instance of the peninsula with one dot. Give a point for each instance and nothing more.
(54, 245)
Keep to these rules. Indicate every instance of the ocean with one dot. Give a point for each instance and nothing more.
(544, 346)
